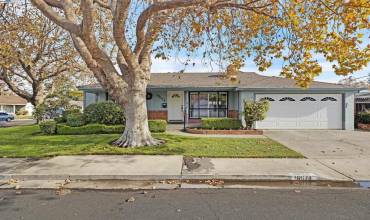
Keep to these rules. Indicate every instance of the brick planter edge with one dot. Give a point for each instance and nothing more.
(231, 132)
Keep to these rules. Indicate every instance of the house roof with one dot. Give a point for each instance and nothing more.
(245, 80)
(12, 100)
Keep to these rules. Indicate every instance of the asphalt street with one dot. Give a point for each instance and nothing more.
(186, 204)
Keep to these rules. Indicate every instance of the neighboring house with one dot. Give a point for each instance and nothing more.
(176, 97)
(12, 104)
(362, 102)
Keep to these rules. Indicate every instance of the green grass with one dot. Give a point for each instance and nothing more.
(26, 141)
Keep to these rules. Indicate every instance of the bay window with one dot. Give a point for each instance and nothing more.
(208, 104)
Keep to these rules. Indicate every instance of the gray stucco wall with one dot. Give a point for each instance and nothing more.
(89, 98)
(154, 104)
(349, 111)
(233, 100)
(158, 97)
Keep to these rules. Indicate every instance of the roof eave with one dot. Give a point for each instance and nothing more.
(298, 89)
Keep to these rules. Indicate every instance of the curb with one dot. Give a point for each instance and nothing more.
(183, 177)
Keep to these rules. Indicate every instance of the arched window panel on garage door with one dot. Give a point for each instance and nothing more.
(287, 99)
(308, 99)
(267, 98)
(329, 99)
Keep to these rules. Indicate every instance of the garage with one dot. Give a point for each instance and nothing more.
(302, 111)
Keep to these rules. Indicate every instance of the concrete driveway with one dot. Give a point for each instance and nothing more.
(347, 152)
(325, 144)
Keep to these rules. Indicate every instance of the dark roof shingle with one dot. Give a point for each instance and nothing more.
(12, 100)
(245, 80)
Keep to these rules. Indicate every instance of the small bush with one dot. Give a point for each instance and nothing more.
(108, 113)
(364, 117)
(48, 127)
(157, 126)
(255, 111)
(59, 120)
(22, 111)
(75, 120)
(63, 129)
(220, 123)
(68, 112)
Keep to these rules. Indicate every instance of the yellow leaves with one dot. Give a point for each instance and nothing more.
(233, 69)
(196, 27)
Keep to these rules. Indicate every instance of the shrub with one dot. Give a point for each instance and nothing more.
(22, 111)
(59, 120)
(75, 119)
(220, 123)
(255, 111)
(39, 113)
(48, 127)
(157, 126)
(68, 112)
(63, 129)
(108, 113)
(364, 117)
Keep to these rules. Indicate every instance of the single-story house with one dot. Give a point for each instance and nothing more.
(13, 103)
(362, 101)
(187, 97)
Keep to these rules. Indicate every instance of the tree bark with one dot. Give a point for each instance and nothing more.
(136, 133)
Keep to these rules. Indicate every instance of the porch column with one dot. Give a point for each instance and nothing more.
(14, 110)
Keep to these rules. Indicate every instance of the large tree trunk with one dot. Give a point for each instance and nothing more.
(136, 132)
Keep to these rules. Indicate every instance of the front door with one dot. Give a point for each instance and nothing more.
(175, 105)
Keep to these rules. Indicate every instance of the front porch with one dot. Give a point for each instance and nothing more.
(187, 107)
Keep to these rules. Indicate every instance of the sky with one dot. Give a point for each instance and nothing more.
(175, 65)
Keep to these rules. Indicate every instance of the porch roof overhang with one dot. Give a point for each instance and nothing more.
(188, 88)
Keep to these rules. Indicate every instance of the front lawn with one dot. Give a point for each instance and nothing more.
(26, 141)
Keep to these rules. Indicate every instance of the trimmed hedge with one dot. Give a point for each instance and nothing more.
(364, 117)
(48, 127)
(108, 113)
(63, 129)
(220, 123)
(155, 126)
(75, 120)
(59, 120)
(68, 112)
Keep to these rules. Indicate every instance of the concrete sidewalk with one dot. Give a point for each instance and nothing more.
(95, 167)
(140, 167)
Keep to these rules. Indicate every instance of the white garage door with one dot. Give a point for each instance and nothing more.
(302, 111)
